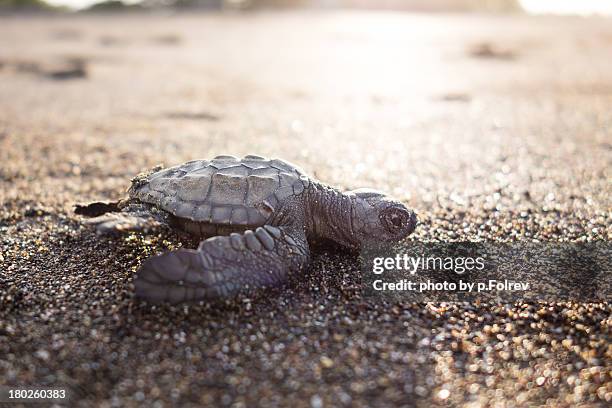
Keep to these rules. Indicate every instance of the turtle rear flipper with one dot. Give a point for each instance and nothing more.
(118, 223)
(97, 208)
(224, 266)
(131, 218)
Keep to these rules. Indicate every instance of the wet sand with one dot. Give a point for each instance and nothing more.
(493, 128)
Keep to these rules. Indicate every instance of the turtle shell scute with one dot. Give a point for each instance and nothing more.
(225, 190)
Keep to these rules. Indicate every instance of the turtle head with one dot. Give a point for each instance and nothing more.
(377, 217)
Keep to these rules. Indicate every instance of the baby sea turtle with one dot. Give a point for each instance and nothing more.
(254, 217)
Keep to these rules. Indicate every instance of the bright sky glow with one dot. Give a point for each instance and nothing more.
(582, 7)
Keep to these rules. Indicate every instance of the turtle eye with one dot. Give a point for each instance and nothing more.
(395, 219)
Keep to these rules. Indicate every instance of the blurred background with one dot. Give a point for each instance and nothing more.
(358, 92)
(584, 7)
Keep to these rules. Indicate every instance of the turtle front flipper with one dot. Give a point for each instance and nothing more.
(224, 266)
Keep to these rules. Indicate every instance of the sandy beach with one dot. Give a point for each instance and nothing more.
(491, 127)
